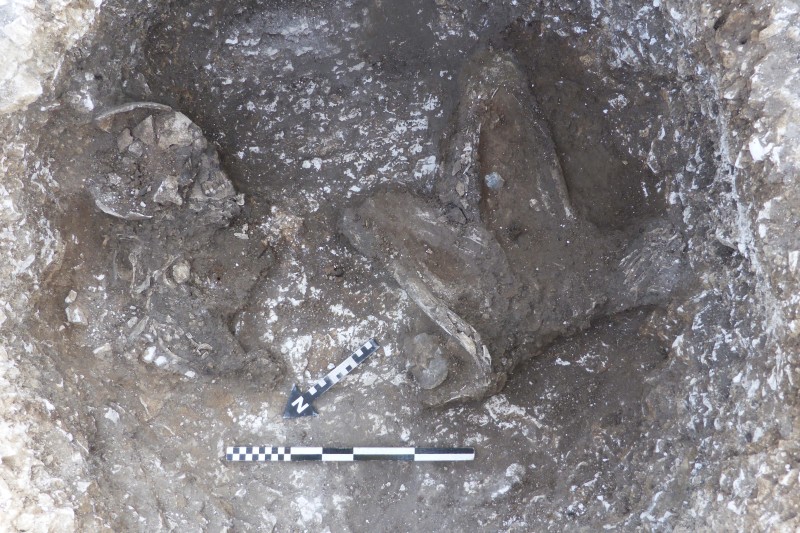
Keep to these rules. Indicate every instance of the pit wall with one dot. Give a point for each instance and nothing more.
(35, 494)
(725, 412)
(740, 362)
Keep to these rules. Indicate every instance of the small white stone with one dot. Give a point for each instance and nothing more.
(149, 354)
(757, 150)
(794, 260)
(112, 415)
(102, 350)
(71, 297)
(75, 315)
(181, 272)
(136, 148)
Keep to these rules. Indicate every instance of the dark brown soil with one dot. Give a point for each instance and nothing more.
(325, 121)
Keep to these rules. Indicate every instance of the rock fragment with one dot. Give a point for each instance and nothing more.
(137, 148)
(429, 366)
(145, 131)
(75, 315)
(494, 180)
(167, 192)
(181, 272)
(175, 129)
(124, 140)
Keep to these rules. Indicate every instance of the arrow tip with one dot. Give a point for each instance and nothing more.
(295, 409)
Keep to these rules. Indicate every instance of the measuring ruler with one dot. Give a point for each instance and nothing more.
(299, 404)
(253, 454)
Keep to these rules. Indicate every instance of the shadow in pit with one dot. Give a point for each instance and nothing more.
(607, 186)
(589, 394)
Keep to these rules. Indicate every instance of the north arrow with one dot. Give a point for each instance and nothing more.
(299, 404)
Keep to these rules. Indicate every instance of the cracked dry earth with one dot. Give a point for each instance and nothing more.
(529, 206)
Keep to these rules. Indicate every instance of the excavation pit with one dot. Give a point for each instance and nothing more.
(535, 209)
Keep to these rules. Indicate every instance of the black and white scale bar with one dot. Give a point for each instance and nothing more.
(252, 454)
(299, 404)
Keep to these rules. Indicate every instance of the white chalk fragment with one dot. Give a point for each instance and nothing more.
(794, 261)
(757, 150)
(102, 350)
(149, 354)
(75, 315)
(111, 415)
(425, 167)
(181, 272)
